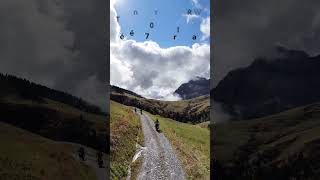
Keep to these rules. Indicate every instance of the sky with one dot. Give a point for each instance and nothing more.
(166, 16)
(157, 66)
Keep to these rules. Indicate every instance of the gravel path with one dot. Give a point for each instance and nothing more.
(159, 158)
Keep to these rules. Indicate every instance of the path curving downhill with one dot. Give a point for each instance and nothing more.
(159, 158)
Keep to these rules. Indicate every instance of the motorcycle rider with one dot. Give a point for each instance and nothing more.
(100, 159)
(157, 125)
(82, 153)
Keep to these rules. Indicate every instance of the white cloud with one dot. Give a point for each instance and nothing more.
(191, 17)
(93, 90)
(172, 97)
(205, 28)
(114, 25)
(152, 71)
(120, 72)
(196, 3)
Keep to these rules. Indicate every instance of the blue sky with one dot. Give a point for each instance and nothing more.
(157, 66)
(171, 14)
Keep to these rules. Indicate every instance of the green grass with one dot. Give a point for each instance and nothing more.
(279, 136)
(126, 131)
(191, 143)
(25, 155)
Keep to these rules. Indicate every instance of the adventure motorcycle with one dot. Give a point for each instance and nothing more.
(157, 126)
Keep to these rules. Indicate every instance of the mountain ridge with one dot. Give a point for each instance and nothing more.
(194, 88)
(269, 86)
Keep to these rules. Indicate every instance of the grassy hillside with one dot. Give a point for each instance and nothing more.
(194, 110)
(40, 113)
(126, 132)
(24, 155)
(191, 142)
(55, 120)
(50, 113)
(281, 145)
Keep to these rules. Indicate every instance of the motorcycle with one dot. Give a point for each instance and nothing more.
(157, 126)
(100, 163)
(82, 153)
(100, 159)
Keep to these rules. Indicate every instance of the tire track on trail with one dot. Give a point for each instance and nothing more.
(159, 158)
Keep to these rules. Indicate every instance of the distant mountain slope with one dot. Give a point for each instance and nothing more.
(270, 86)
(193, 110)
(194, 88)
(274, 147)
(12, 85)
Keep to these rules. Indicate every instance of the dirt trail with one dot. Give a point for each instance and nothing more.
(159, 158)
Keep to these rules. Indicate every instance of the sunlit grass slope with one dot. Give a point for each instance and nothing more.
(192, 144)
(126, 131)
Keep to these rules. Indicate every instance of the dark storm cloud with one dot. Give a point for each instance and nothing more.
(61, 44)
(246, 29)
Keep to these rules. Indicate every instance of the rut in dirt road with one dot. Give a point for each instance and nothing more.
(159, 158)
